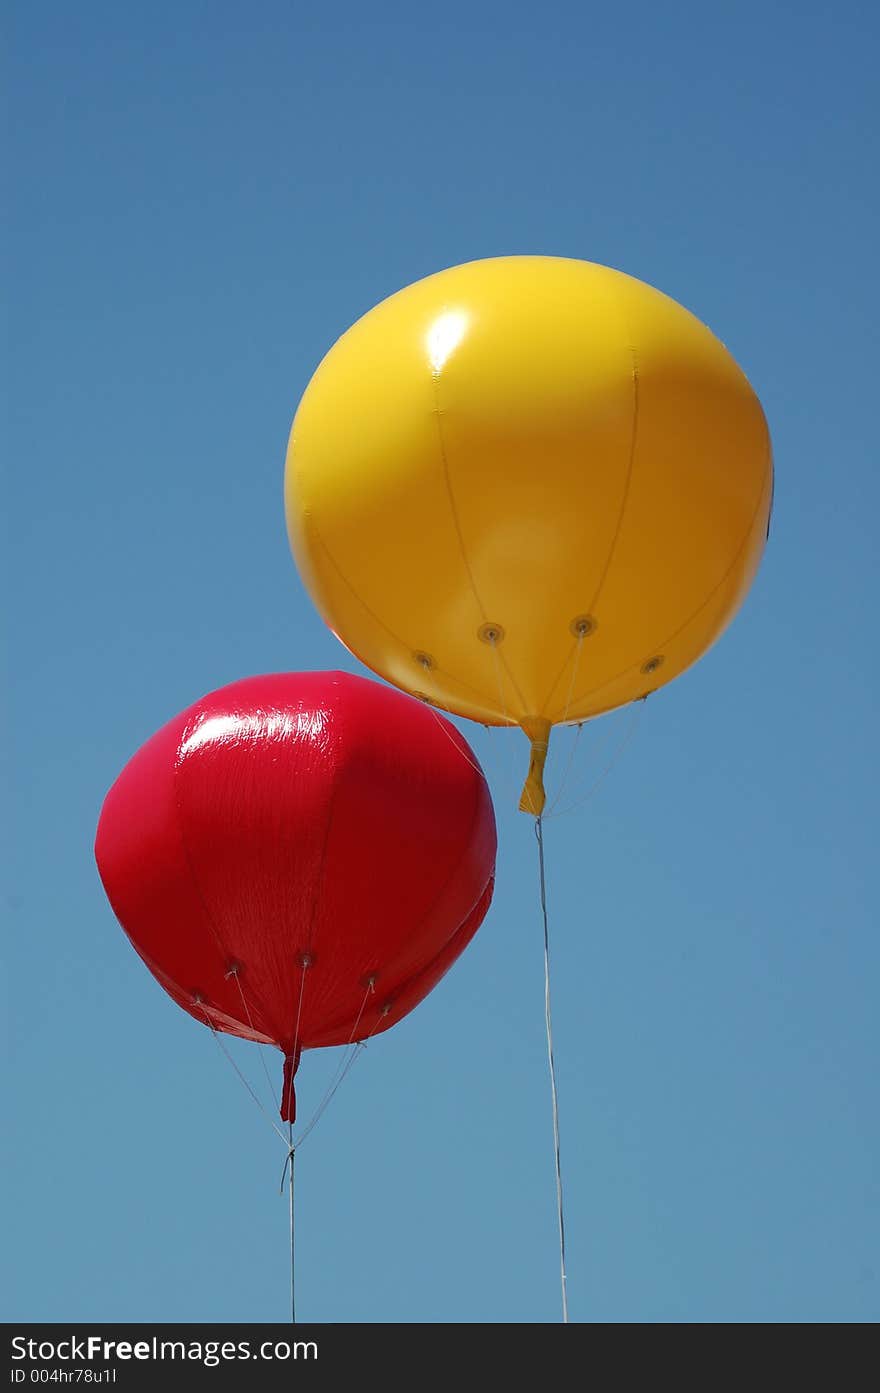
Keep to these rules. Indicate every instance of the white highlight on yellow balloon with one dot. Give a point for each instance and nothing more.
(444, 336)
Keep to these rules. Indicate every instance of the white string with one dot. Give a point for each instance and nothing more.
(302, 986)
(234, 972)
(322, 1107)
(574, 672)
(501, 764)
(548, 1021)
(428, 667)
(290, 1206)
(216, 1034)
(568, 768)
(340, 1069)
(356, 1053)
(499, 681)
(625, 741)
(292, 1149)
(513, 775)
(582, 633)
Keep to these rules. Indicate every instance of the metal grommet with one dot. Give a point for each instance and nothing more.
(652, 665)
(425, 660)
(490, 633)
(305, 959)
(583, 625)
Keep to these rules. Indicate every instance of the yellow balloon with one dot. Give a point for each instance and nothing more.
(528, 490)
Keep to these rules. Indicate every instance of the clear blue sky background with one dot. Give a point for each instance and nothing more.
(205, 196)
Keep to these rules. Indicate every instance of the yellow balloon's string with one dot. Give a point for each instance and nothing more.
(548, 1023)
(428, 668)
(628, 736)
(581, 635)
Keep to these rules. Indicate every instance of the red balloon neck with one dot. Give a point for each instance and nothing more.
(288, 1092)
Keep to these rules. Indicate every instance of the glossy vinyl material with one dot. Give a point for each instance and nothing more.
(528, 489)
(300, 846)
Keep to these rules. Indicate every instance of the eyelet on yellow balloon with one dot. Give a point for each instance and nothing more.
(514, 442)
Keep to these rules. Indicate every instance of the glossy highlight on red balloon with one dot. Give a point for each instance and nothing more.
(299, 858)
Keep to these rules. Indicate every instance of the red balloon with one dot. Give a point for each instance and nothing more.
(299, 858)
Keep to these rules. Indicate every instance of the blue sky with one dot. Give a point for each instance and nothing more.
(205, 196)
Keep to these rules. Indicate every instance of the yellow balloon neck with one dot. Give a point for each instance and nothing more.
(534, 796)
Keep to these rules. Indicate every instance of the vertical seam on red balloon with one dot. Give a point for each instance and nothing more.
(481, 794)
(480, 789)
(187, 730)
(309, 946)
(406, 987)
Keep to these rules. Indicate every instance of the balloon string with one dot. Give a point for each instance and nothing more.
(216, 1034)
(287, 1171)
(568, 768)
(331, 1092)
(341, 1068)
(502, 759)
(508, 720)
(625, 740)
(343, 1071)
(290, 1207)
(435, 700)
(548, 1021)
(574, 671)
(234, 972)
(305, 962)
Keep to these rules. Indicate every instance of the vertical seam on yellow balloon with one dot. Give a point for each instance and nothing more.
(438, 411)
(634, 429)
(444, 459)
(349, 586)
(488, 702)
(670, 638)
(634, 432)
(557, 679)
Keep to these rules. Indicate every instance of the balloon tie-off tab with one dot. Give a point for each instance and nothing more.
(534, 795)
(288, 1093)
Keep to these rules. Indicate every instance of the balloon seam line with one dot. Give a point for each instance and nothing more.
(670, 638)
